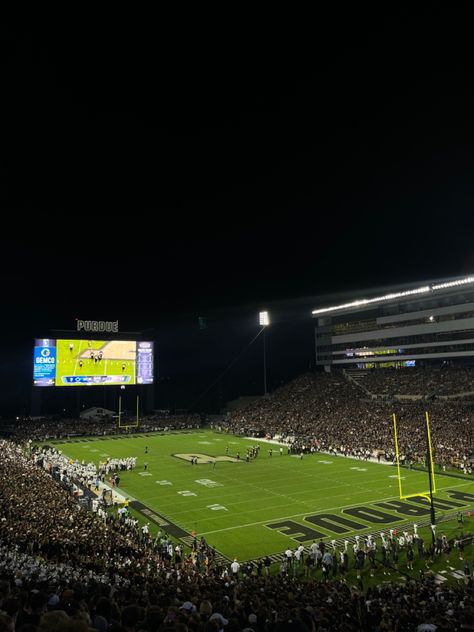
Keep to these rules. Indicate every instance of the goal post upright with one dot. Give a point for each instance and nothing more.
(430, 451)
(428, 495)
(431, 474)
(397, 455)
(127, 425)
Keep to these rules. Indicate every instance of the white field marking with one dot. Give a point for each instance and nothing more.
(103, 454)
(216, 507)
(186, 492)
(395, 476)
(306, 503)
(325, 462)
(253, 524)
(359, 469)
(316, 475)
(204, 442)
(181, 517)
(163, 482)
(207, 482)
(75, 363)
(144, 474)
(94, 450)
(296, 490)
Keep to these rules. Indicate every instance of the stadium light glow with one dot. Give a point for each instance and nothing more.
(420, 290)
(442, 286)
(368, 301)
(264, 319)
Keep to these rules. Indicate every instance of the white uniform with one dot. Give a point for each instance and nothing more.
(235, 567)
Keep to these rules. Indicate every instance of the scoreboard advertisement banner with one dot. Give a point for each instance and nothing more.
(92, 362)
(44, 362)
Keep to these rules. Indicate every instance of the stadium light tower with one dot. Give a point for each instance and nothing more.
(264, 320)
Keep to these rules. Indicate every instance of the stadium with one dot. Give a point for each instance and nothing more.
(351, 482)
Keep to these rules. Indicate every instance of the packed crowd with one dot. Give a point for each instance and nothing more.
(422, 382)
(208, 604)
(329, 412)
(63, 568)
(57, 428)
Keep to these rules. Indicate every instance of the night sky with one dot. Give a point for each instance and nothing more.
(160, 175)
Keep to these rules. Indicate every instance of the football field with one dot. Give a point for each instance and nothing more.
(262, 507)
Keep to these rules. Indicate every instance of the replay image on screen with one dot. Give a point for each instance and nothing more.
(92, 362)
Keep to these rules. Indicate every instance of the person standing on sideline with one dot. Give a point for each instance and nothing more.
(267, 563)
(235, 567)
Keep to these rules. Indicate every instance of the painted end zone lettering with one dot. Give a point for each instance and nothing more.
(327, 521)
(465, 496)
(437, 502)
(371, 515)
(404, 508)
(296, 531)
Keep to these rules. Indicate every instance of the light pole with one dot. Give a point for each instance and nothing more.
(264, 322)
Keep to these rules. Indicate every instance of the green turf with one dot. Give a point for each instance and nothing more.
(68, 362)
(233, 511)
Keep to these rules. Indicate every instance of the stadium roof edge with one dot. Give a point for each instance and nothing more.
(427, 288)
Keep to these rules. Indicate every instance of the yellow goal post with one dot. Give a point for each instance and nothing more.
(424, 494)
(128, 425)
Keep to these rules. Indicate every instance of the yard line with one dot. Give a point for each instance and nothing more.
(180, 515)
(77, 356)
(253, 524)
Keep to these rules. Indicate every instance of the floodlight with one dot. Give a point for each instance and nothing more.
(264, 319)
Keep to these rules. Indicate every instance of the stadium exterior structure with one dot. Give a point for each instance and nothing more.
(420, 323)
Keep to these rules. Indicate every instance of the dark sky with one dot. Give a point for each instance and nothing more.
(159, 173)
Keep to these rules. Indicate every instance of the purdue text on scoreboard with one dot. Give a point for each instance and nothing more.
(97, 325)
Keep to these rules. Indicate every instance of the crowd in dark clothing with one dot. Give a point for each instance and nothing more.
(58, 428)
(64, 568)
(331, 413)
(420, 381)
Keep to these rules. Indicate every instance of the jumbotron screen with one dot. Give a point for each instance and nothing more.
(92, 362)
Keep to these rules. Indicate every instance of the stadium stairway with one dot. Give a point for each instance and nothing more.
(356, 376)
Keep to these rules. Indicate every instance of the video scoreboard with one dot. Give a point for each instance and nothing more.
(92, 362)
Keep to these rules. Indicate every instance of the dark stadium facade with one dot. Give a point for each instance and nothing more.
(419, 324)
